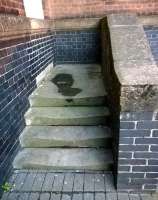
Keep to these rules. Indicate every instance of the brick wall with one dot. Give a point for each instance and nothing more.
(21, 60)
(77, 46)
(152, 35)
(57, 9)
(85, 8)
(26, 48)
(15, 7)
(138, 147)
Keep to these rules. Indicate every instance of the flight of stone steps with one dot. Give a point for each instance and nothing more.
(66, 123)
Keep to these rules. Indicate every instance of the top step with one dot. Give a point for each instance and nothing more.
(79, 68)
(71, 85)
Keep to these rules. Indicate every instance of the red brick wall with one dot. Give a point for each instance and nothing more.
(57, 9)
(15, 7)
(86, 8)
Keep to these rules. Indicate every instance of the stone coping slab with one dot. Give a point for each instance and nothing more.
(132, 56)
(13, 27)
(129, 43)
(148, 20)
(132, 63)
(121, 20)
(141, 70)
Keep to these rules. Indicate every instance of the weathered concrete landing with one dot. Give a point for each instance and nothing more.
(71, 85)
(64, 158)
(66, 185)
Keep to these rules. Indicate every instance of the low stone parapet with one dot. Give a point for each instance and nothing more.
(131, 79)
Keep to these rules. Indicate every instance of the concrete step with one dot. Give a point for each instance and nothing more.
(66, 116)
(79, 90)
(65, 136)
(64, 158)
(77, 68)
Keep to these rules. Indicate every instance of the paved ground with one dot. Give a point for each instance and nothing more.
(68, 185)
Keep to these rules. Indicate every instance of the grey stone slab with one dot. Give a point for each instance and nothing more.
(13, 196)
(17, 171)
(38, 182)
(99, 196)
(78, 182)
(58, 136)
(34, 196)
(48, 182)
(19, 181)
(58, 182)
(68, 182)
(64, 158)
(88, 196)
(134, 197)
(76, 68)
(131, 42)
(122, 19)
(27, 186)
(44, 196)
(78, 196)
(66, 115)
(66, 197)
(55, 196)
(89, 183)
(99, 182)
(111, 196)
(137, 98)
(50, 93)
(109, 183)
(147, 197)
(23, 196)
(5, 196)
(123, 196)
(137, 72)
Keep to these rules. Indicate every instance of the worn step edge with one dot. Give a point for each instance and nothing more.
(66, 116)
(62, 158)
(65, 136)
(40, 101)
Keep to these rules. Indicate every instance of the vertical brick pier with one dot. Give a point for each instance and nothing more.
(131, 77)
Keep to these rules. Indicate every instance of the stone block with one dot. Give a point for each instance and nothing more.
(122, 19)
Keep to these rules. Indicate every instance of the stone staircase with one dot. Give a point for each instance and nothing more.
(66, 123)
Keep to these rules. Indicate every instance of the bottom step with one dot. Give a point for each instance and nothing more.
(60, 158)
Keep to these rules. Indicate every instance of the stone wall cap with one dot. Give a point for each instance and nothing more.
(147, 20)
(132, 57)
(122, 19)
(137, 72)
(129, 43)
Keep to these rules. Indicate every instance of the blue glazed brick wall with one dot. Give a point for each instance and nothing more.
(20, 63)
(78, 46)
(21, 60)
(138, 151)
(152, 35)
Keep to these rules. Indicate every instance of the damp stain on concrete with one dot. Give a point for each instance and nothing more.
(64, 83)
(69, 100)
